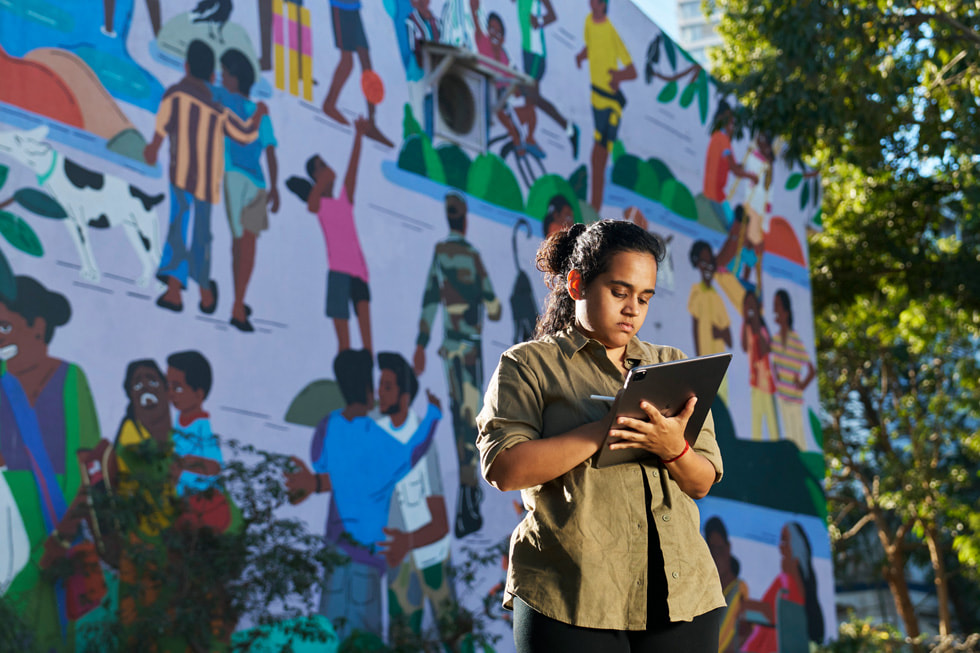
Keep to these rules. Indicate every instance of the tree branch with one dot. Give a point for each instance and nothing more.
(866, 519)
(673, 78)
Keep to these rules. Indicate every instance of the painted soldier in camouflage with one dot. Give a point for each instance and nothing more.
(458, 281)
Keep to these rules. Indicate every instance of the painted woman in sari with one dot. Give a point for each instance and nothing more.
(46, 416)
(144, 447)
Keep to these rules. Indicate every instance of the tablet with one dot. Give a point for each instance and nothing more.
(667, 386)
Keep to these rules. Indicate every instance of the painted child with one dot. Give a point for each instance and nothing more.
(347, 275)
(196, 449)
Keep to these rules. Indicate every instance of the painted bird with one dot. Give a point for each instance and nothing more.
(213, 12)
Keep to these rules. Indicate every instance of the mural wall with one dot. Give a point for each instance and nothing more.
(312, 226)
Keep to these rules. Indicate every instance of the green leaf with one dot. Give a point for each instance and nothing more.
(19, 234)
(4, 170)
(667, 93)
(816, 191)
(703, 93)
(8, 284)
(794, 181)
(805, 195)
(41, 203)
(688, 95)
(670, 52)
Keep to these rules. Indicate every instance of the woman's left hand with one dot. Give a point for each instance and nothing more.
(660, 435)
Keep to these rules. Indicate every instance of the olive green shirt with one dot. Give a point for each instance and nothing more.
(580, 553)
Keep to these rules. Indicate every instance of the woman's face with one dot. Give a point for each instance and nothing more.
(779, 310)
(613, 307)
(750, 310)
(784, 546)
(148, 393)
(16, 336)
(565, 217)
(720, 551)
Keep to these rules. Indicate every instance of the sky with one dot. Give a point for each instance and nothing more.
(663, 13)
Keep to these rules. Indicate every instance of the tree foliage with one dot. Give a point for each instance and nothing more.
(882, 97)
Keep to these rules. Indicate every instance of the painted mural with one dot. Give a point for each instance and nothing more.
(312, 225)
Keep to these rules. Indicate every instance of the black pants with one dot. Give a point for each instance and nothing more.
(536, 633)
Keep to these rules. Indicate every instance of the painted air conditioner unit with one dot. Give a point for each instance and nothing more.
(460, 107)
(464, 89)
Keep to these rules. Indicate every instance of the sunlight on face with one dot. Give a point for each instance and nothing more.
(615, 304)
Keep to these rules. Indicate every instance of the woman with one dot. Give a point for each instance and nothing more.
(46, 416)
(797, 583)
(733, 626)
(792, 370)
(605, 559)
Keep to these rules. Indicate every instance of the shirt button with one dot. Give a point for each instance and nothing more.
(675, 575)
(640, 526)
(666, 517)
(653, 473)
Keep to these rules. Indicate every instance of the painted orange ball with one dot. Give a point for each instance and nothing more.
(373, 87)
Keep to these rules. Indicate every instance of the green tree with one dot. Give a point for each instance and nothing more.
(881, 96)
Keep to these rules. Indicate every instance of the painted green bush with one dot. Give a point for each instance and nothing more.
(647, 182)
(661, 168)
(579, 181)
(624, 172)
(417, 155)
(637, 175)
(676, 197)
(455, 163)
(490, 179)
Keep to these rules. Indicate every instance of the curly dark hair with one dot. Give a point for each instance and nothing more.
(588, 249)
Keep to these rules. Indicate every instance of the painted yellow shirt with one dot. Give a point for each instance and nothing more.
(133, 467)
(606, 52)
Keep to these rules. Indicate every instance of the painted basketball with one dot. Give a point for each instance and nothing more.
(373, 87)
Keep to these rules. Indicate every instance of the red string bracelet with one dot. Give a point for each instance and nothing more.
(687, 446)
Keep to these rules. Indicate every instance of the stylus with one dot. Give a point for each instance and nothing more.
(602, 397)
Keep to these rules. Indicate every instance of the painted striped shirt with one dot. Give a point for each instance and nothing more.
(196, 125)
(788, 362)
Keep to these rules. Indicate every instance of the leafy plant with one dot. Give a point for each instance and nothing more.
(185, 585)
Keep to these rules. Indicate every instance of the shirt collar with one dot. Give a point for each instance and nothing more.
(571, 340)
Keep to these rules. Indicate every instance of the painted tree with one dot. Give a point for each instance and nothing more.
(882, 97)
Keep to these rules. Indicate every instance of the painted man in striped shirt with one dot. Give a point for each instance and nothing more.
(196, 125)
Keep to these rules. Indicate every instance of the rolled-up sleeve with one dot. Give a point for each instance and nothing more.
(707, 446)
(512, 409)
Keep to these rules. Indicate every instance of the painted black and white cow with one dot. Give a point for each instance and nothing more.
(92, 200)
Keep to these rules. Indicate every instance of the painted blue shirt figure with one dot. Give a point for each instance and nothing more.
(193, 437)
(365, 463)
(246, 159)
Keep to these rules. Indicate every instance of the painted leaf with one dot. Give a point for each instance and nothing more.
(703, 92)
(41, 203)
(8, 285)
(816, 191)
(3, 175)
(668, 92)
(794, 181)
(805, 195)
(688, 95)
(19, 234)
(670, 52)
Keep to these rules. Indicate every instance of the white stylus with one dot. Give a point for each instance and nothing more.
(602, 397)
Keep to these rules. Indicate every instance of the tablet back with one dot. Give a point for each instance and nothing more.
(667, 386)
